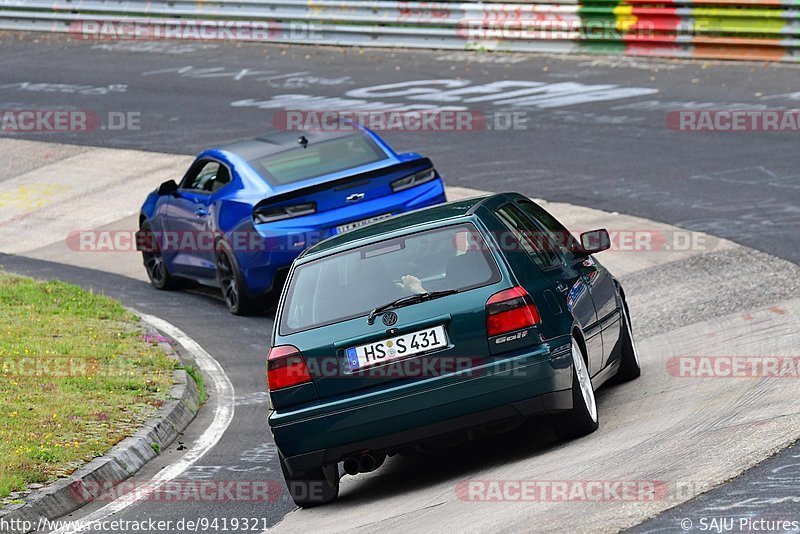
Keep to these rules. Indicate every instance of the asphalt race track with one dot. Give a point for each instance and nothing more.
(615, 155)
(612, 152)
(251, 458)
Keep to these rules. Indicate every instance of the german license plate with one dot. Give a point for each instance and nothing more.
(342, 228)
(395, 348)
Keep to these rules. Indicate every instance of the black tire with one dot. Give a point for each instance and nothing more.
(629, 367)
(234, 290)
(154, 262)
(313, 487)
(583, 418)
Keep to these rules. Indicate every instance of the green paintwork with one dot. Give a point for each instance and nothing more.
(434, 214)
(340, 414)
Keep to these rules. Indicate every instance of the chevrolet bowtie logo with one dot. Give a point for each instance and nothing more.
(355, 197)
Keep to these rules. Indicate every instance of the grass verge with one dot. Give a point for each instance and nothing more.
(197, 376)
(76, 377)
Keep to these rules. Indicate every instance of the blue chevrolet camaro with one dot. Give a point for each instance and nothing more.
(243, 212)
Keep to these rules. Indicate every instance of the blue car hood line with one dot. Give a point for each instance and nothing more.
(300, 191)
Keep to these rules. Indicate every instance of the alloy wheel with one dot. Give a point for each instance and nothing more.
(584, 381)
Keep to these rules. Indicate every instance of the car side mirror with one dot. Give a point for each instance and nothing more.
(167, 188)
(595, 241)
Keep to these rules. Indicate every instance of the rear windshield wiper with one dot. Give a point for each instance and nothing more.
(406, 301)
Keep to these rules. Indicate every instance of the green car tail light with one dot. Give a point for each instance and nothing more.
(510, 310)
(286, 368)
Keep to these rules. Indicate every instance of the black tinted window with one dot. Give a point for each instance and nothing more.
(211, 177)
(198, 181)
(318, 159)
(528, 236)
(556, 233)
(223, 177)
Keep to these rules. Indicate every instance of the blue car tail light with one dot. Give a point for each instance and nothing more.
(413, 180)
(266, 214)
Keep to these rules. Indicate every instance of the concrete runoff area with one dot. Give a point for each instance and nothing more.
(687, 434)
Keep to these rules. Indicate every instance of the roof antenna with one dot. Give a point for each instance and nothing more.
(303, 141)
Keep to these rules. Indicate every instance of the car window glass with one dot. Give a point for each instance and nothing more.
(331, 289)
(556, 232)
(318, 159)
(528, 236)
(203, 179)
(222, 179)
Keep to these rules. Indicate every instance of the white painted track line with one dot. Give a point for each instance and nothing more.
(656, 428)
(223, 415)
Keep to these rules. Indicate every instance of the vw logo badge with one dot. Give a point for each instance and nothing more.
(389, 318)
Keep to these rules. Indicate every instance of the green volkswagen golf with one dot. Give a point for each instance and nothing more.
(440, 323)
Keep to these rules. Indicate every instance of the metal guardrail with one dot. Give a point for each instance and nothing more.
(726, 29)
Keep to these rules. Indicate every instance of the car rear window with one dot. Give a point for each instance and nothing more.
(318, 159)
(350, 284)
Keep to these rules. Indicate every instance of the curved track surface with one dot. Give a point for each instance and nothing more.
(595, 132)
(715, 299)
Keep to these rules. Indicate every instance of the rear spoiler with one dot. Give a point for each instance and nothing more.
(346, 182)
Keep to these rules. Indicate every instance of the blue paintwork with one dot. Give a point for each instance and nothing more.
(230, 215)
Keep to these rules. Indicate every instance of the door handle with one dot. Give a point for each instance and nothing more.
(201, 212)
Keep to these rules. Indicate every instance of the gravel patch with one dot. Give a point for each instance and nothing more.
(681, 293)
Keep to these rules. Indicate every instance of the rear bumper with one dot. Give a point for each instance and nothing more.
(285, 240)
(537, 383)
